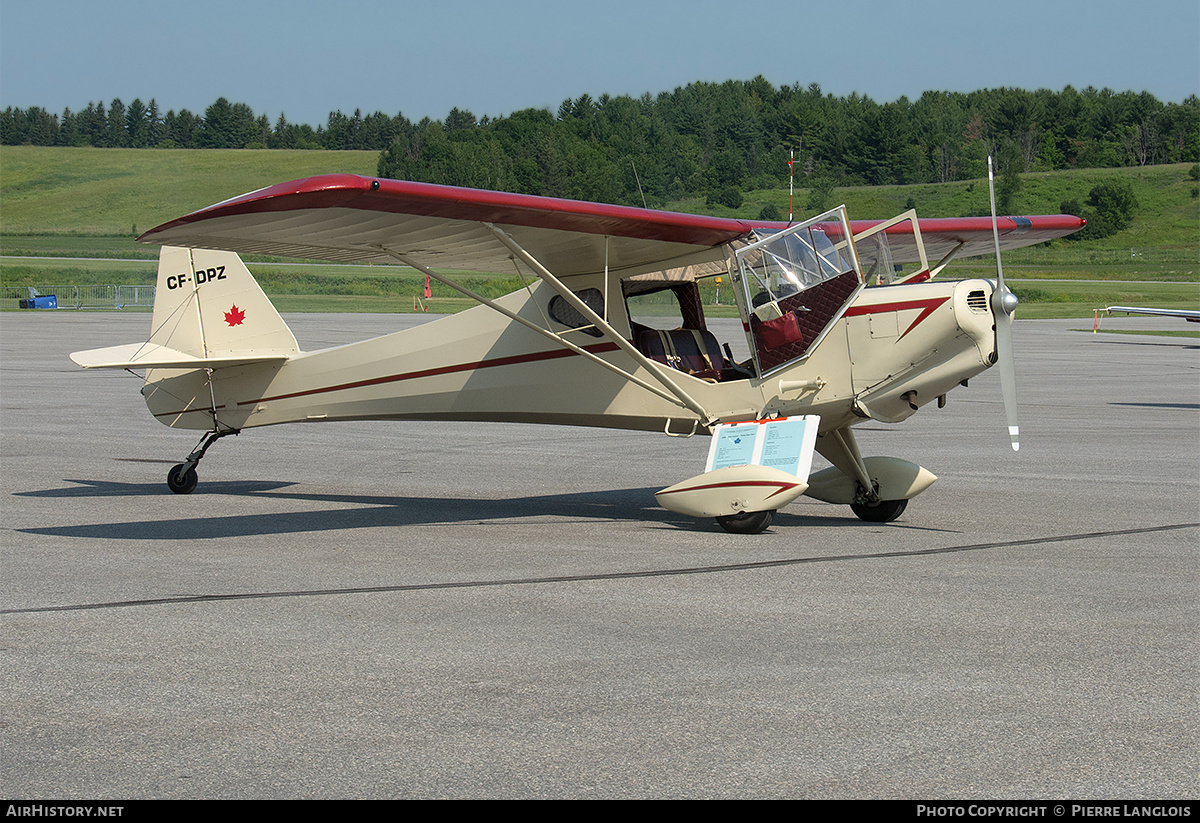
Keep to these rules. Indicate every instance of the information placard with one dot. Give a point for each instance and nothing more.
(785, 443)
(732, 445)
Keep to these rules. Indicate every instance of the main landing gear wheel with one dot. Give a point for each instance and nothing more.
(182, 479)
(746, 522)
(885, 511)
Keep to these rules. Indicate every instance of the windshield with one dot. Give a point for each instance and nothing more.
(794, 284)
(790, 262)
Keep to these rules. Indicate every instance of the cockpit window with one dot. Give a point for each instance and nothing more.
(656, 310)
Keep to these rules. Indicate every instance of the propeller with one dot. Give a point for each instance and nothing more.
(1004, 304)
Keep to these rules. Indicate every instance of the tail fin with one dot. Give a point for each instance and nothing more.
(209, 312)
(207, 304)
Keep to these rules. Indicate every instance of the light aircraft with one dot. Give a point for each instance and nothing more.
(1186, 314)
(836, 337)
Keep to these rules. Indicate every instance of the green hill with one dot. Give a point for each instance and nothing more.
(111, 191)
(91, 203)
(1168, 214)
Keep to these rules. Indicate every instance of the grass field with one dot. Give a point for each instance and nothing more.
(70, 216)
(123, 192)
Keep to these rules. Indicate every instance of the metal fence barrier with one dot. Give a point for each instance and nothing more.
(82, 297)
(135, 296)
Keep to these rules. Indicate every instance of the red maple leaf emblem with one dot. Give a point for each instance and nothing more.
(235, 316)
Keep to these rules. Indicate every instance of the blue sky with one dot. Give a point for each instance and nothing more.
(305, 59)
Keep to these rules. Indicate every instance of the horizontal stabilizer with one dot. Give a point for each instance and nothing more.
(153, 356)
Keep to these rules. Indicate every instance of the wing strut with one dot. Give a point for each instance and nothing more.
(672, 396)
(945, 261)
(600, 323)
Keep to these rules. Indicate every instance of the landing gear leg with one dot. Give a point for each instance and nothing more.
(182, 478)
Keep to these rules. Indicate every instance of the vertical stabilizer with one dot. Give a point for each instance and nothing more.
(207, 304)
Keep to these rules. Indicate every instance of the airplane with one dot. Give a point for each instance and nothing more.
(836, 337)
(1186, 314)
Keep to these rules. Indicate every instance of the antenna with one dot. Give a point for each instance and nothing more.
(792, 177)
(639, 182)
(791, 180)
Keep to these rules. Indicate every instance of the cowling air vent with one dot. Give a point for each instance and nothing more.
(977, 301)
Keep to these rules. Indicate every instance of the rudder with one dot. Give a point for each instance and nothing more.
(207, 304)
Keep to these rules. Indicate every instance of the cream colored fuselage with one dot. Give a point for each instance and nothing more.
(895, 348)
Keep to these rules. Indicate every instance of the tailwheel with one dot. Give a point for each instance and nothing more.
(746, 522)
(885, 511)
(182, 479)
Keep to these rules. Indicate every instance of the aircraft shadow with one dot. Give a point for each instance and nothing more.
(1172, 342)
(375, 511)
(106, 488)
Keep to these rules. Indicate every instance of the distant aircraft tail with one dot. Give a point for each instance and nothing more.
(209, 312)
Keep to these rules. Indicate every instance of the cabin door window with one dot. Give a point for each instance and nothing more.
(794, 285)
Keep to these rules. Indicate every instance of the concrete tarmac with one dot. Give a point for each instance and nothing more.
(434, 610)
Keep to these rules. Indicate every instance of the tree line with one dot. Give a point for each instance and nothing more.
(714, 140)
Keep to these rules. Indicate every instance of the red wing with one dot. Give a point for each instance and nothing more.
(350, 218)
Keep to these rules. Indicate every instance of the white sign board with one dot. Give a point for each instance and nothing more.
(785, 443)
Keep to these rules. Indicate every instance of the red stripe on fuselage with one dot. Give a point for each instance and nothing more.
(518, 359)
(927, 308)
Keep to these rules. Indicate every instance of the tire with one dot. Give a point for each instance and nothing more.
(746, 522)
(885, 511)
(181, 481)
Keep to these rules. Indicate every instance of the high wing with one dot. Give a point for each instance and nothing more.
(1190, 316)
(361, 219)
